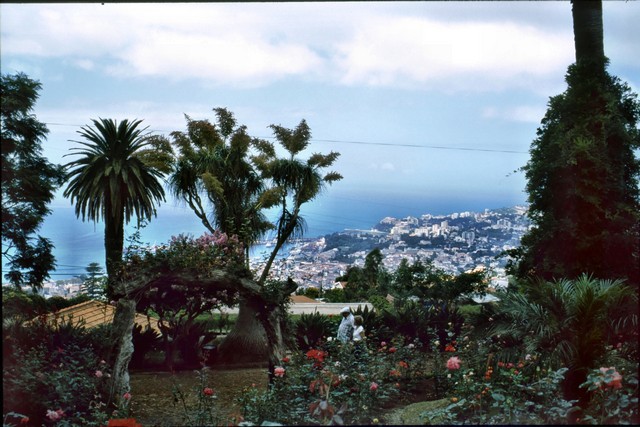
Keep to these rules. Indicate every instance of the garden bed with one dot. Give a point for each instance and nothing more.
(153, 403)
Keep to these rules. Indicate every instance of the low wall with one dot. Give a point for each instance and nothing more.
(322, 308)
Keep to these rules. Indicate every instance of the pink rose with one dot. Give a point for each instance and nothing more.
(126, 396)
(98, 374)
(453, 363)
(279, 371)
(373, 386)
(54, 415)
(208, 391)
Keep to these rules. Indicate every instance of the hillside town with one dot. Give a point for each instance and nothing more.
(455, 243)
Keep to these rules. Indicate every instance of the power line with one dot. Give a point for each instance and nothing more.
(381, 144)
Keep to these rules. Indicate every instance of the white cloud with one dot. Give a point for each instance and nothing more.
(409, 45)
(232, 44)
(413, 51)
(520, 113)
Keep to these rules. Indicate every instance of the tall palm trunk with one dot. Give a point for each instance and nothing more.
(588, 31)
(113, 245)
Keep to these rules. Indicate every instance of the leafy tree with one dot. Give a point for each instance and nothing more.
(364, 282)
(115, 178)
(583, 174)
(20, 305)
(28, 184)
(214, 176)
(93, 283)
(228, 179)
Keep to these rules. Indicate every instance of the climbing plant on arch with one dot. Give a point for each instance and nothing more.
(196, 274)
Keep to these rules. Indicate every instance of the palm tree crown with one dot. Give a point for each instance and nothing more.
(111, 181)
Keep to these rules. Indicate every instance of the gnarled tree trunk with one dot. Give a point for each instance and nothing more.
(268, 314)
(123, 320)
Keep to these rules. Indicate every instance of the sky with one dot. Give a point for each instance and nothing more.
(432, 105)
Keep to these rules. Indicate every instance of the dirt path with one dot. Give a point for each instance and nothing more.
(153, 402)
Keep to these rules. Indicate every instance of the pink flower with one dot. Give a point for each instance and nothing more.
(278, 371)
(208, 391)
(383, 343)
(126, 396)
(392, 350)
(98, 374)
(615, 380)
(54, 415)
(453, 363)
(373, 386)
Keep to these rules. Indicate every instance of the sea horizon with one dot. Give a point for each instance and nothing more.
(77, 243)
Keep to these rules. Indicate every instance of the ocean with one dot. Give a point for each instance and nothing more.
(77, 243)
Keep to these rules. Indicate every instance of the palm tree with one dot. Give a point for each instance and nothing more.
(571, 322)
(112, 181)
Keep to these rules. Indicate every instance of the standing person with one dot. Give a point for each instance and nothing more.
(345, 330)
(358, 332)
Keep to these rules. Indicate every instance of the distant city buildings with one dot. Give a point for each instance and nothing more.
(455, 243)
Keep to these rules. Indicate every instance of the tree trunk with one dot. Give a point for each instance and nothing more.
(113, 245)
(588, 31)
(123, 320)
(247, 341)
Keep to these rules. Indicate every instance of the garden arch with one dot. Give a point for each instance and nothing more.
(268, 304)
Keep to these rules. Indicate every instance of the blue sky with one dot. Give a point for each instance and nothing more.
(425, 101)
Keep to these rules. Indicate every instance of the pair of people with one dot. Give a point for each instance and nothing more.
(351, 328)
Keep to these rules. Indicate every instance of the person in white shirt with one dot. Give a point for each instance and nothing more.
(358, 332)
(345, 330)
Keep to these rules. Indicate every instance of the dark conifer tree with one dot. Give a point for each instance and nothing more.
(583, 171)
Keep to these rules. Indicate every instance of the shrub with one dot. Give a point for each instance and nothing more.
(334, 383)
(572, 322)
(614, 397)
(191, 342)
(69, 381)
(144, 341)
(313, 328)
